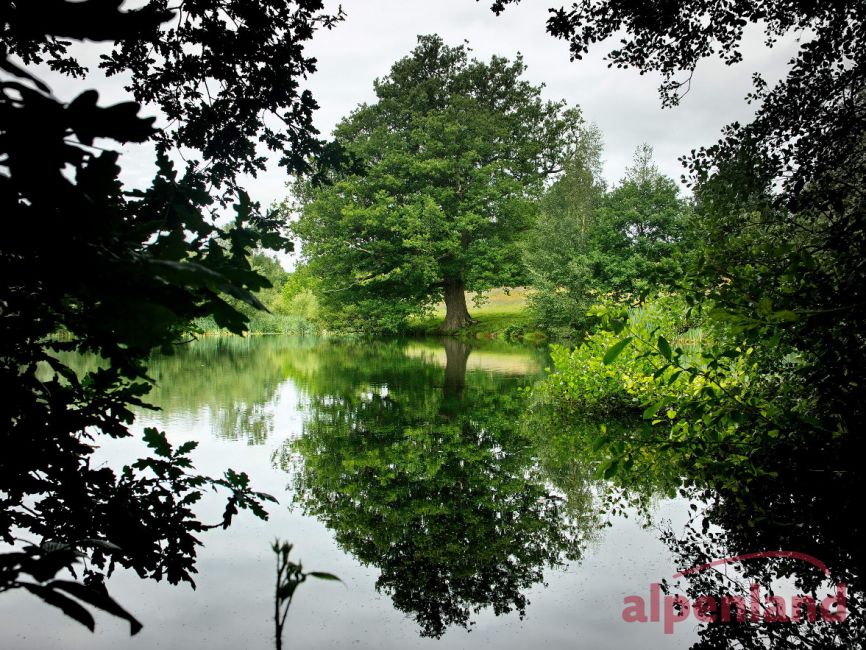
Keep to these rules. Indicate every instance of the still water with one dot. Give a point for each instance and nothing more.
(410, 469)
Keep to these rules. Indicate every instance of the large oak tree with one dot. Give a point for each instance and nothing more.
(439, 179)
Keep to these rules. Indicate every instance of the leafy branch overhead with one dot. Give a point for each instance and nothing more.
(95, 269)
(226, 76)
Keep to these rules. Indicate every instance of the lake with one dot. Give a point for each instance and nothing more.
(413, 470)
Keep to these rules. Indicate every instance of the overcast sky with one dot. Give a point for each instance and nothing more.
(622, 103)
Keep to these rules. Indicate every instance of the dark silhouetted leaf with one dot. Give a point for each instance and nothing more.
(69, 607)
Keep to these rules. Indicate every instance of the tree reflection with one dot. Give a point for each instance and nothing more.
(233, 380)
(802, 507)
(799, 506)
(427, 475)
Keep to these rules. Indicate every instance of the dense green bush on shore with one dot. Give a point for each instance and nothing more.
(598, 375)
(704, 397)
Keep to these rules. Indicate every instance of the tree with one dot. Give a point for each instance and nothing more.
(437, 487)
(439, 180)
(646, 222)
(563, 235)
(804, 151)
(587, 242)
(92, 267)
(298, 294)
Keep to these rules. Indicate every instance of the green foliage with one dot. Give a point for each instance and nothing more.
(645, 225)
(779, 198)
(576, 451)
(304, 305)
(298, 301)
(215, 109)
(559, 244)
(791, 277)
(768, 415)
(705, 395)
(271, 269)
(606, 372)
(587, 243)
(289, 307)
(438, 183)
(301, 279)
(92, 267)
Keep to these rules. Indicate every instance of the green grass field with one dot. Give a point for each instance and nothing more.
(502, 315)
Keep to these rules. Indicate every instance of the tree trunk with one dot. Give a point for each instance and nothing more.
(456, 313)
(456, 355)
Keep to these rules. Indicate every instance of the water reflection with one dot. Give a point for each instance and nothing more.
(426, 473)
(426, 462)
(806, 504)
(801, 513)
(498, 359)
(412, 452)
(233, 382)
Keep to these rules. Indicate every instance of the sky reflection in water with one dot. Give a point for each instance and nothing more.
(406, 468)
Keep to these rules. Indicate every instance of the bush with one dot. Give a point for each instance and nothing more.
(705, 398)
(587, 379)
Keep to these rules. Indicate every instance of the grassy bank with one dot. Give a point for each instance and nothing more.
(503, 316)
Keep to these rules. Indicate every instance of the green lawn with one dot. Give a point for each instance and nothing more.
(503, 315)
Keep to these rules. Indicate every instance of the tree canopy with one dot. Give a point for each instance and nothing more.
(588, 242)
(439, 180)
